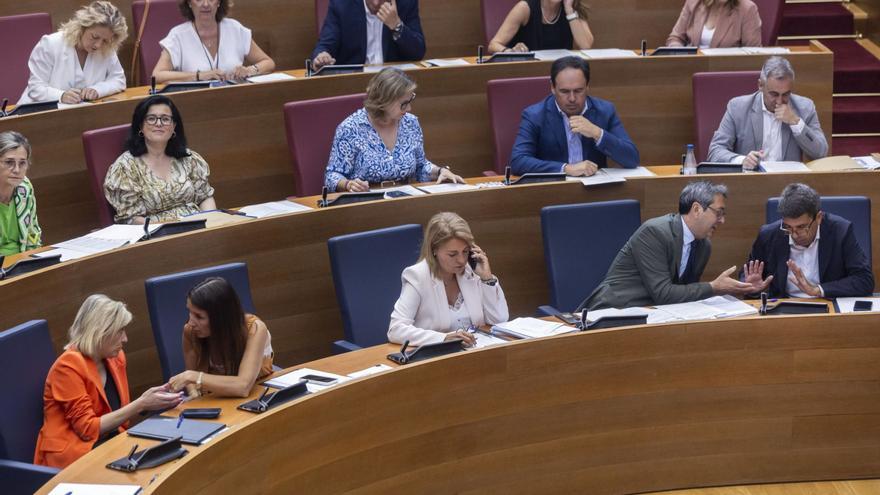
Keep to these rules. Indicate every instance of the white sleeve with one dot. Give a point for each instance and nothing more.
(401, 328)
(114, 81)
(244, 42)
(172, 45)
(494, 303)
(41, 64)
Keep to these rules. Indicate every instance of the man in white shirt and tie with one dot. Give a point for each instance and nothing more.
(772, 124)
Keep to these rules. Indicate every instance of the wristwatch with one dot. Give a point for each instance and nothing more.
(490, 281)
(396, 32)
(572, 16)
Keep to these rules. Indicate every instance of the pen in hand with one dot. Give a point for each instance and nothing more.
(179, 420)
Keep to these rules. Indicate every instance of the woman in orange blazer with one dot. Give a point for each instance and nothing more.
(86, 399)
(717, 24)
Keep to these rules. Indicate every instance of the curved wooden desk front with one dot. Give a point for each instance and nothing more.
(609, 412)
(240, 129)
(290, 270)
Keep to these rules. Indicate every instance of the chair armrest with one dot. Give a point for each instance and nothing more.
(547, 310)
(343, 346)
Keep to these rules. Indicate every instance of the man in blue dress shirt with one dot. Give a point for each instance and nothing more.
(571, 131)
(370, 32)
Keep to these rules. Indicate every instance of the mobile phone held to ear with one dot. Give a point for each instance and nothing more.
(472, 260)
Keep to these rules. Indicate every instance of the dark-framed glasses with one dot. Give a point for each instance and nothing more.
(799, 229)
(719, 212)
(157, 119)
(408, 102)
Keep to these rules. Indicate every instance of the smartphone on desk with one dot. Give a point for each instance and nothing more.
(201, 413)
(863, 306)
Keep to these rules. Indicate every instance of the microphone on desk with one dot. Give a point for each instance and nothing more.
(507, 175)
(583, 323)
(323, 201)
(480, 54)
(153, 85)
(3, 109)
(763, 309)
(308, 67)
(644, 47)
(147, 228)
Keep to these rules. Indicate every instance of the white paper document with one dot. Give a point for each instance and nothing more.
(555, 54)
(629, 172)
(410, 190)
(845, 304)
(294, 376)
(531, 328)
(608, 53)
(707, 309)
(99, 241)
(94, 489)
(723, 51)
(273, 208)
(769, 166)
(447, 62)
(766, 50)
(868, 162)
(273, 77)
(486, 340)
(372, 370)
(600, 177)
(376, 68)
(447, 187)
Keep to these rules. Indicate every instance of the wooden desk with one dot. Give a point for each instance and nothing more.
(240, 129)
(290, 269)
(629, 410)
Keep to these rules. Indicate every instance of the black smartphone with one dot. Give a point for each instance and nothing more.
(863, 306)
(472, 260)
(319, 380)
(201, 413)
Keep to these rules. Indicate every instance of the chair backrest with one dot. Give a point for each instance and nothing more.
(162, 16)
(494, 12)
(856, 209)
(18, 36)
(507, 100)
(26, 354)
(166, 301)
(311, 125)
(366, 274)
(771, 19)
(320, 14)
(102, 147)
(24, 478)
(711, 92)
(580, 242)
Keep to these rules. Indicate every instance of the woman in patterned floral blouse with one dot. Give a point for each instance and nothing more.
(382, 144)
(158, 177)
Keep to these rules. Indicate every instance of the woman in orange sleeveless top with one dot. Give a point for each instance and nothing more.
(226, 350)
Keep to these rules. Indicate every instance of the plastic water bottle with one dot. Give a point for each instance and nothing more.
(690, 161)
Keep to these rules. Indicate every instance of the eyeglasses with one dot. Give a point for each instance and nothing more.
(156, 119)
(800, 229)
(11, 163)
(719, 212)
(408, 102)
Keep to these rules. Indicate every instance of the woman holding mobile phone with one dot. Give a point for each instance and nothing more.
(450, 289)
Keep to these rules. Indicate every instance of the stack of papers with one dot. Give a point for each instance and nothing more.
(99, 241)
(447, 187)
(273, 208)
(868, 162)
(274, 77)
(372, 370)
(94, 489)
(486, 340)
(608, 53)
(555, 54)
(845, 304)
(769, 166)
(746, 50)
(707, 309)
(612, 175)
(444, 62)
(531, 328)
(294, 376)
(376, 68)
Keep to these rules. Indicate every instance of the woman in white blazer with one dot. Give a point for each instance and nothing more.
(79, 63)
(442, 294)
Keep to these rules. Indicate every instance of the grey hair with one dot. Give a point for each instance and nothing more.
(11, 140)
(776, 68)
(798, 199)
(702, 192)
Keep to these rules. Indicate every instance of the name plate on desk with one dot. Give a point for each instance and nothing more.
(719, 168)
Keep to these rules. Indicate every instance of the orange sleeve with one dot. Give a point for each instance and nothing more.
(68, 386)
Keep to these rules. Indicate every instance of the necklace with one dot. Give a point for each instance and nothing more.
(209, 45)
(554, 19)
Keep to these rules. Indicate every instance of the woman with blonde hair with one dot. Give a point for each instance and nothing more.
(449, 290)
(78, 62)
(717, 24)
(86, 398)
(382, 144)
(544, 25)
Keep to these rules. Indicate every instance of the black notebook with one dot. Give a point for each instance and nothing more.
(191, 431)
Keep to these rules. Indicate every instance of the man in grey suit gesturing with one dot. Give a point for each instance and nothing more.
(771, 124)
(663, 260)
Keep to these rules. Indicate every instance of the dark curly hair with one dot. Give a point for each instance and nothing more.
(136, 144)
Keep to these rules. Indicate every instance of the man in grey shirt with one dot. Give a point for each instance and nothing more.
(772, 124)
(663, 260)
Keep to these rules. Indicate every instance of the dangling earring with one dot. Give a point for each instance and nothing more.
(141, 133)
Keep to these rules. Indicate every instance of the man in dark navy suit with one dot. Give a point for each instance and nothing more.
(371, 32)
(810, 252)
(571, 131)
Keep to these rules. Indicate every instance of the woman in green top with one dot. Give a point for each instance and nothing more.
(19, 229)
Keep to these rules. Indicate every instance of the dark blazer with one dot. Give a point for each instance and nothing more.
(344, 33)
(844, 270)
(541, 145)
(645, 271)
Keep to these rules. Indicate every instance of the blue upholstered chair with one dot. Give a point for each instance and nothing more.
(26, 354)
(580, 242)
(856, 209)
(166, 301)
(366, 274)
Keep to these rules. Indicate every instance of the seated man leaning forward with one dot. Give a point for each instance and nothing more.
(570, 131)
(811, 253)
(771, 124)
(664, 259)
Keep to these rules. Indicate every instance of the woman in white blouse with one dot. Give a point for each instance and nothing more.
(79, 63)
(209, 47)
(442, 296)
